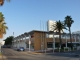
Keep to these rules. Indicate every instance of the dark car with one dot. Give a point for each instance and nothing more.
(21, 49)
(8, 46)
(4, 46)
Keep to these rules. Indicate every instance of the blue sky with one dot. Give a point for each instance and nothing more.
(25, 15)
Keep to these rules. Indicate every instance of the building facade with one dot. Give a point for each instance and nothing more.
(76, 35)
(50, 27)
(38, 40)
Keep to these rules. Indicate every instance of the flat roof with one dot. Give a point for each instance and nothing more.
(37, 31)
(48, 32)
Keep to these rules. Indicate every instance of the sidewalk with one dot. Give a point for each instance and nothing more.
(38, 52)
(45, 52)
(2, 57)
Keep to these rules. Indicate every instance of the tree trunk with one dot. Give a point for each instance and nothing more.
(70, 38)
(60, 39)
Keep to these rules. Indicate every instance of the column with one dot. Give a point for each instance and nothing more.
(25, 42)
(16, 42)
(29, 43)
(22, 41)
(21, 38)
(66, 40)
(79, 38)
(19, 42)
(53, 42)
(75, 38)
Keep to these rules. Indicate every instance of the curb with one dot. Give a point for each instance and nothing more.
(35, 53)
(38, 53)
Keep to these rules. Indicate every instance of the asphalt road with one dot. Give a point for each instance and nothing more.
(9, 54)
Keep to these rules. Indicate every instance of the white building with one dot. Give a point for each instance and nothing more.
(50, 27)
(77, 35)
(50, 24)
(76, 32)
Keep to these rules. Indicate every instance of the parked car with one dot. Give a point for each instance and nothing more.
(21, 49)
(4, 46)
(8, 46)
(15, 48)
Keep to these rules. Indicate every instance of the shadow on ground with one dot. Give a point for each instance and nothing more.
(73, 54)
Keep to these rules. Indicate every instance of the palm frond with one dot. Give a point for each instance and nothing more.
(6, 27)
(59, 26)
(2, 2)
(68, 21)
(4, 23)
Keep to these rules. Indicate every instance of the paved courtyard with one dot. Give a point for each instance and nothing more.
(9, 54)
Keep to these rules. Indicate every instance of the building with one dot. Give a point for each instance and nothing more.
(76, 35)
(38, 40)
(50, 24)
(76, 32)
(50, 27)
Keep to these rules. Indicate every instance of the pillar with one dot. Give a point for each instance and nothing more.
(29, 43)
(66, 40)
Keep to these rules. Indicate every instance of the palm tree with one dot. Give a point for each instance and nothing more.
(2, 2)
(58, 27)
(68, 22)
(3, 26)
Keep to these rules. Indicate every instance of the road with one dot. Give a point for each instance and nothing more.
(9, 54)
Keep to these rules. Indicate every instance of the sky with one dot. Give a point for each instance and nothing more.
(25, 15)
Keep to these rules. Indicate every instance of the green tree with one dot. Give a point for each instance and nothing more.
(68, 22)
(58, 27)
(3, 26)
(8, 40)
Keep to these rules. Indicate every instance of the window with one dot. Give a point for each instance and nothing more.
(49, 45)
